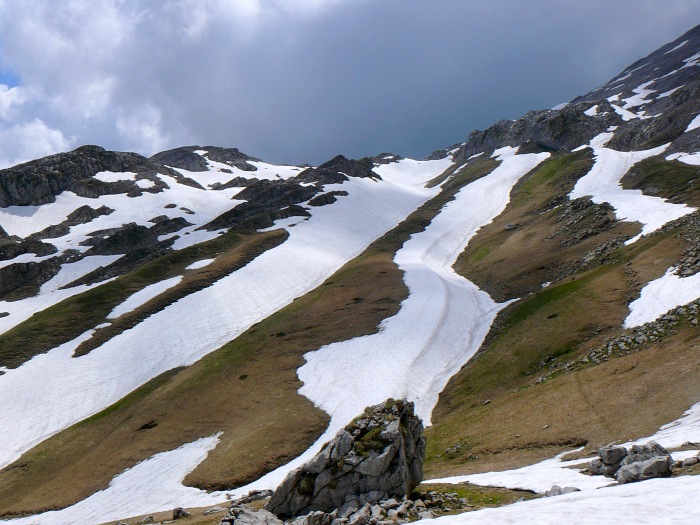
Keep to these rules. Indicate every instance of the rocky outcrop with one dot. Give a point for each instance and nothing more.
(386, 512)
(266, 201)
(337, 170)
(548, 130)
(327, 198)
(82, 215)
(376, 457)
(638, 463)
(186, 158)
(39, 181)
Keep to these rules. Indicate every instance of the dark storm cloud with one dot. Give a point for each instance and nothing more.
(302, 81)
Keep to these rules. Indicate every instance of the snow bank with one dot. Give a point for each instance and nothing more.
(670, 500)
(661, 295)
(154, 485)
(602, 184)
(439, 326)
(143, 296)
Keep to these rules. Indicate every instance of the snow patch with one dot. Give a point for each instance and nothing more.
(695, 124)
(72, 271)
(640, 94)
(154, 485)
(669, 92)
(602, 184)
(688, 158)
(199, 264)
(110, 176)
(661, 295)
(143, 296)
(592, 111)
(677, 47)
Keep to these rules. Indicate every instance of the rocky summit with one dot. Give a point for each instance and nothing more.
(376, 457)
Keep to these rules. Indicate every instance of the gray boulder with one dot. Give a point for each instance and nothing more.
(612, 454)
(377, 456)
(556, 490)
(242, 515)
(641, 453)
(656, 467)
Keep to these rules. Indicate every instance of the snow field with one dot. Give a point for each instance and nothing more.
(602, 184)
(661, 295)
(439, 326)
(55, 390)
(143, 296)
(154, 485)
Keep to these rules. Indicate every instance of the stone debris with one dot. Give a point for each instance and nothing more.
(638, 463)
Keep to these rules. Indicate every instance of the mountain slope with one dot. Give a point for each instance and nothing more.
(188, 306)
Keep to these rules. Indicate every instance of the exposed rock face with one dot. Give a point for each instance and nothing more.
(337, 170)
(264, 202)
(636, 464)
(378, 456)
(39, 181)
(82, 215)
(186, 158)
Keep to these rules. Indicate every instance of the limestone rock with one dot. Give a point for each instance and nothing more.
(556, 490)
(656, 467)
(179, 512)
(610, 455)
(376, 457)
(242, 515)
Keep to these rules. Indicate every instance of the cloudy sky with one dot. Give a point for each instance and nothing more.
(302, 80)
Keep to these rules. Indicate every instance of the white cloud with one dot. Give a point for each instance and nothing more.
(297, 80)
(142, 130)
(23, 142)
(10, 98)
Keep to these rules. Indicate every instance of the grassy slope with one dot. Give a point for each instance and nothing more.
(524, 421)
(671, 180)
(247, 389)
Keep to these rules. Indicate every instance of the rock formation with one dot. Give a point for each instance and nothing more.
(636, 464)
(376, 457)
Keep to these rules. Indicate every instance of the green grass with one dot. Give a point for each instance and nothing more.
(667, 179)
(477, 496)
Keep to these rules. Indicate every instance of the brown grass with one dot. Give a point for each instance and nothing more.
(493, 410)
